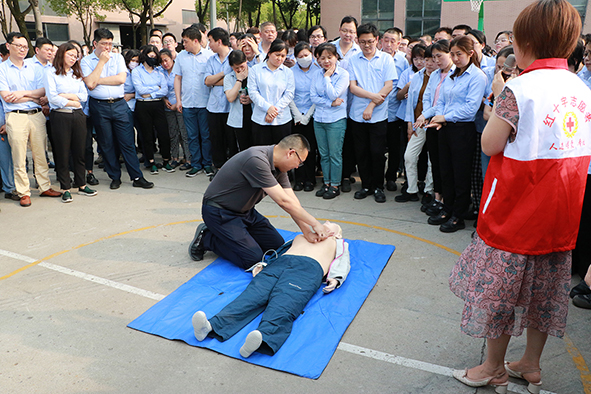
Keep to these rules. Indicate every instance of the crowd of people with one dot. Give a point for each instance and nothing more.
(438, 111)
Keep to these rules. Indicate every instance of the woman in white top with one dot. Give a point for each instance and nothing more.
(65, 90)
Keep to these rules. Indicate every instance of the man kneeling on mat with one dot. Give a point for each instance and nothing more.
(281, 290)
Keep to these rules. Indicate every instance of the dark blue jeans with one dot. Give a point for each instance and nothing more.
(241, 238)
(198, 136)
(113, 124)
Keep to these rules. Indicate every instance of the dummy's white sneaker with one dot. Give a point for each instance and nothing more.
(253, 342)
(201, 325)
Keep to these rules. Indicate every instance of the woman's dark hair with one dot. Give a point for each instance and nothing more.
(247, 35)
(236, 57)
(505, 52)
(441, 46)
(466, 45)
(508, 33)
(290, 37)
(277, 46)
(429, 51)
(302, 35)
(300, 46)
(166, 52)
(317, 27)
(480, 37)
(576, 58)
(417, 51)
(59, 64)
(326, 46)
(146, 51)
(130, 55)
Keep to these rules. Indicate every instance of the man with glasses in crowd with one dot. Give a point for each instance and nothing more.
(232, 228)
(104, 74)
(21, 88)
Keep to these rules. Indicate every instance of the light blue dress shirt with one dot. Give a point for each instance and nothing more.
(461, 97)
(402, 81)
(57, 84)
(14, 79)
(344, 62)
(192, 68)
(235, 116)
(393, 103)
(416, 83)
(152, 83)
(271, 88)
(370, 76)
(488, 62)
(325, 90)
(217, 102)
(171, 96)
(430, 107)
(128, 88)
(114, 66)
(302, 80)
(585, 76)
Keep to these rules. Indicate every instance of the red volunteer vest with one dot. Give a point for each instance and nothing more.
(533, 190)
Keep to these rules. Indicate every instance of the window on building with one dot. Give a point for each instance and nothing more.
(422, 17)
(190, 17)
(581, 6)
(57, 32)
(378, 12)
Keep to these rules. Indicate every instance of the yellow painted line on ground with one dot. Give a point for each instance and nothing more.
(570, 347)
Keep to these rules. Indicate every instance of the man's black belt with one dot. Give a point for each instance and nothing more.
(27, 111)
(212, 204)
(109, 100)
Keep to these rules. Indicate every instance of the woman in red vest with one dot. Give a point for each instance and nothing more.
(515, 274)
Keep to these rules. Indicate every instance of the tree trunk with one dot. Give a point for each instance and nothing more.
(151, 12)
(274, 13)
(258, 21)
(238, 19)
(37, 15)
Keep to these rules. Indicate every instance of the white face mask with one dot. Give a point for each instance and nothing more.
(133, 65)
(305, 61)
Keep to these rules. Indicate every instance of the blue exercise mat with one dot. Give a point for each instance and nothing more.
(316, 332)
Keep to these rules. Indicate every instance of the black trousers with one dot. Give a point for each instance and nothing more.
(397, 140)
(370, 151)
(432, 145)
(150, 115)
(582, 252)
(349, 158)
(456, 152)
(223, 140)
(88, 150)
(269, 135)
(69, 138)
(307, 172)
(241, 238)
(244, 135)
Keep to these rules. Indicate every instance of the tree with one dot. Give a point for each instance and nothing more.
(145, 10)
(37, 15)
(19, 17)
(202, 10)
(5, 20)
(85, 11)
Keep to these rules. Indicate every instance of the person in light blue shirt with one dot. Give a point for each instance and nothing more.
(151, 88)
(132, 57)
(176, 125)
(585, 73)
(271, 88)
(21, 87)
(66, 91)
(104, 74)
(460, 97)
(235, 88)
(302, 111)
(6, 166)
(371, 75)
(191, 97)
(223, 142)
(329, 92)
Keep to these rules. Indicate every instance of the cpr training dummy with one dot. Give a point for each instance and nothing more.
(281, 287)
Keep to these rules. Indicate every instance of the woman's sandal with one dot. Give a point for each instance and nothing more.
(533, 388)
(462, 376)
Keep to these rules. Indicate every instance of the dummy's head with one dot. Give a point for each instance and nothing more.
(291, 152)
(335, 229)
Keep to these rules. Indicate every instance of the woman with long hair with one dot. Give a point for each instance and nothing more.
(66, 91)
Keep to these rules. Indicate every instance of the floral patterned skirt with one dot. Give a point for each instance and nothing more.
(506, 292)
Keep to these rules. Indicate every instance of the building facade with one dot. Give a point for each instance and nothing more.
(417, 17)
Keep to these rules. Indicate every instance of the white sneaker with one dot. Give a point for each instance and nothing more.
(201, 325)
(251, 344)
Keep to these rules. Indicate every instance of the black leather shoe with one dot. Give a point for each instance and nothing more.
(12, 196)
(115, 184)
(322, 190)
(405, 197)
(91, 179)
(580, 289)
(582, 301)
(426, 200)
(308, 186)
(196, 248)
(439, 219)
(331, 193)
(391, 186)
(452, 225)
(299, 186)
(435, 209)
(379, 195)
(421, 185)
(346, 185)
(143, 183)
(361, 194)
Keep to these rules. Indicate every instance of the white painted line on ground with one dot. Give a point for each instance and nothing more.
(346, 347)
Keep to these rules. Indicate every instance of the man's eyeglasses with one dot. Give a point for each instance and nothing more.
(299, 158)
(20, 47)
